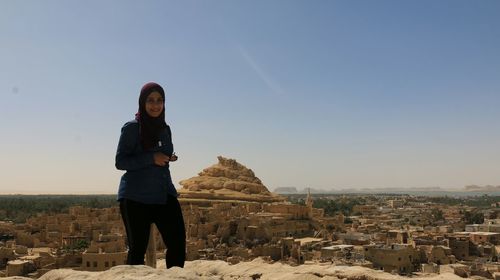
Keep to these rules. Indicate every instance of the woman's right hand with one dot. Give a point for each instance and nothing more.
(160, 159)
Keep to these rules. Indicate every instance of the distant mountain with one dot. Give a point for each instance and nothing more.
(416, 189)
(293, 190)
(286, 190)
(487, 188)
(313, 190)
(432, 191)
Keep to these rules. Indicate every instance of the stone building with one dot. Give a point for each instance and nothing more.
(106, 252)
(397, 237)
(485, 237)
(459, 245)
(102, 261)
(365, 210)
(438, 255)
(395, 203)
(336, 251)
(19, 268)
(353, 238)
(402, 259)
(6, 254)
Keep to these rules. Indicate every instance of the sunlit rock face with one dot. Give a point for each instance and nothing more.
(227, 180)
(256, 269)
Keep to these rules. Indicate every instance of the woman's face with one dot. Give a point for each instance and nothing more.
(154, 104)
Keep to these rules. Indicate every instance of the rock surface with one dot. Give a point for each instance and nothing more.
(256, 269)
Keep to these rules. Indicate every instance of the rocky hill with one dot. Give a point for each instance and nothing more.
(227, 180)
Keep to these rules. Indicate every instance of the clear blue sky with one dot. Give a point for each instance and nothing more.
(323, 94)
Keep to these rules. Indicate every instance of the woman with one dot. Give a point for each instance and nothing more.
(146, 193)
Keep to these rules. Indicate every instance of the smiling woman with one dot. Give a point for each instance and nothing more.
(154, 104)
(147, 194)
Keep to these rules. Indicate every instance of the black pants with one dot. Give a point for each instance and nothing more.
(138, 217)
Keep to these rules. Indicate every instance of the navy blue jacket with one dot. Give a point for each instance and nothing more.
(144, 181)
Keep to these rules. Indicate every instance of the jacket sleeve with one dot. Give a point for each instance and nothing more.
(171, 145)
(125, 158)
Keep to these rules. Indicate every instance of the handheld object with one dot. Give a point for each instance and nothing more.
(173, 157)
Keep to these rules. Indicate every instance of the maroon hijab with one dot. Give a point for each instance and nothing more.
(149, 127)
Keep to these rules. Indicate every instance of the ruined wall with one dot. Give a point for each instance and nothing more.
(99, 262)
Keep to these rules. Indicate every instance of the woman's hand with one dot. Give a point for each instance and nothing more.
(160, 159)
(173, 157)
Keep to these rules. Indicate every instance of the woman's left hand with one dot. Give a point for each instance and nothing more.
(173, 157)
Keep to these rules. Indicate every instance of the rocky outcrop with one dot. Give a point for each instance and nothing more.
(256, 269)
(227, 180)
(227, 174)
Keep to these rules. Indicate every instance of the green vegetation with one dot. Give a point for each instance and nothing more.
(437, 214)
(342, 205)
(483, 201)
(80, 245)
(18, 208)
(297, 199)
(473, 217)
(332, 205)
